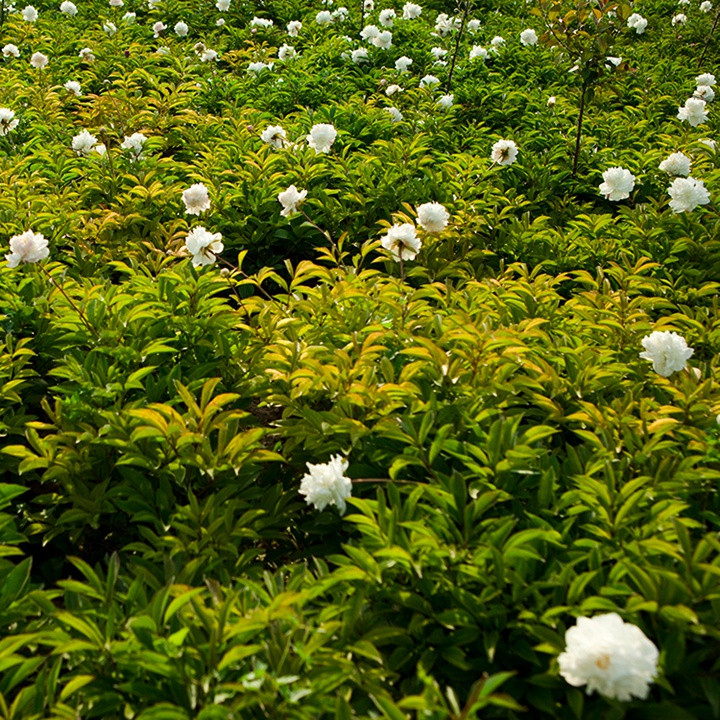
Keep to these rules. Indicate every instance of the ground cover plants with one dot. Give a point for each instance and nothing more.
(359, 361)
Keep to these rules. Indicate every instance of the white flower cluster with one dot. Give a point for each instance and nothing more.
(667, 351)
(326, 484)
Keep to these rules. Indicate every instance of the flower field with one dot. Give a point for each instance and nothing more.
(359, 361)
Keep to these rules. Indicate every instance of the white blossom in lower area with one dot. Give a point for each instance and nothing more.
(29, 13)
(432, 217)
(445, 101)
(706, 6)
(73, 86)
(196, 199)
(359, 56)
(321, 137)
(293, 28)
(110, 28)
(223, 5)
(274, 135)
(287, 52)
(383, 40)
(686, 194)
(10, 50)
(86, 54)
(478, 51)
(429, 81)
(325, 484)
(403, 63)
(679, 19)
(290, 199)
(504, 152)
(667, 351)
(704, 92)
(387, 17)
(705, 79)
(676, 164)
(181, 29)
(637, 23)
(609, 656)
(528, 37)
(29, 247)
(84, 142)
(203, 246)
(402, 241)
(617, 184)
(8, 121)
(324, 17)
(395, 114)
(38, 60)
(693, 112)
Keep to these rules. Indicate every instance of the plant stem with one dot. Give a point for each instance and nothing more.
(578, 134)
(457, 44)
(80, 313)
(243, 274)
(709, 38)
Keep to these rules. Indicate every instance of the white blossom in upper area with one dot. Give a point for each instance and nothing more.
(293, 28)
(445, 101)
(255, 68)
(411, 11)
(208, 55)
(704, 92)
(287, 52)
(8, 121)
(383, 40)
(705, 6)
(159, 27)
(29, 247)
(324, 17)
(359, 55)
(693, 112)
(395, 114)
(204, 246)
(676, 164)
(223, 5)
(687, 193)
(478, 51)
(29, 13)
(637, 23)
(181, 29)
(10, 50)
(86, 54)
(290, 199)
(473, 26)
(497, 42)
(402, 241)
(68, 8)
(261, 22)
(617, 183)
(73, 86)
(110, 28)
(609, 656)
(392, 89)
(84, 142)
(705, 79)
(432, 217)
(321, 137)
(196, 199)
(528, 37)
(369, 32)
(504, 152)
(387, 17)
(429, 81)
(667, 351)
(325, 484)
(679, 19)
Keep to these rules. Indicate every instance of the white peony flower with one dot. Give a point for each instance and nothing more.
(163, 50)
(392, 89)
(473, 26)
(705, 79)
(203, 246)
(38, 60)
(293, 28)
(444, 24)
(83, 143)
(705, 6)
(401, 240)
(438, 53)
(129, 17)
(220, 22)
(411, 11)
(693, 111)
(290, 199)
(504, 152)
(617, 183)
(676, 164)
(196, 199)
(135, 144)
(181, 29)
(368, 5)
(255, 68)
(86, 54)
(478, 51)
(432, 217)
(528, 37)
(29, 247)
(637, 22)
(704, 92)
(68, 8)
(261, 22)
(429, 81)
(152, 4)
(359, 56)
(395, 114)
(497, 42)
(403, 63)
(287, 52)
(341, 14)
(115, 3)
(609, 656)
(8, 121)
(208, 55)
(667, 351)
(223, 5)
(324, 17)
(274, 135)
(679, 19)
(326, 484)
(369, 33)
(383, 40)
(110, 28)
(159, 27)
(710, 143)
(446, 101)
(30, 14)
(687, 194)
(10, 50)
(387, 17)
(73, 86)
(321, 137)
